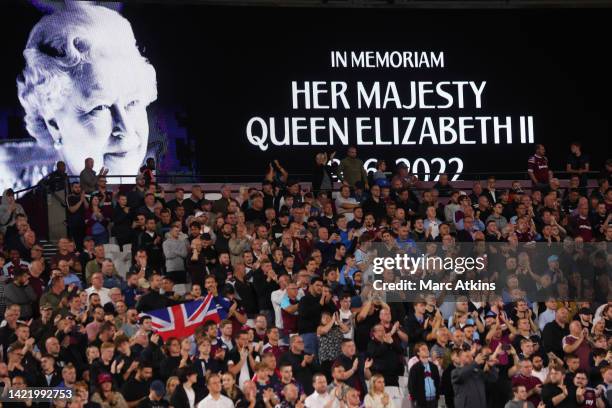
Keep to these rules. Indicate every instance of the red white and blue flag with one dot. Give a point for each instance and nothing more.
(181, 320)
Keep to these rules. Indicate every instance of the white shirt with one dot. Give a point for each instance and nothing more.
(597, 316)
(244, 375)
(347, 318)
(102, 292)
(277, 296)
(210, 402)
(546, 317)
(227, 342)
(541, 375)
(190, 396)
(348, 213)
(316, 400)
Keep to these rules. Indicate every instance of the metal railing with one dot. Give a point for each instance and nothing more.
(181, 178)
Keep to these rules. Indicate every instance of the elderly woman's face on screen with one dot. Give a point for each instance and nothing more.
(105, 116)
(86, 87)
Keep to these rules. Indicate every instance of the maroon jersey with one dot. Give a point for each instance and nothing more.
(529, 383)
(583, 227)
(276, 350)
(590, 398)
(538, 165)
(289, 320)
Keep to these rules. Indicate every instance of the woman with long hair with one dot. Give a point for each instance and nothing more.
(171, 385)
(377, 397)
(331, 333)
(96, 222)
(173, 358)
(230, 389)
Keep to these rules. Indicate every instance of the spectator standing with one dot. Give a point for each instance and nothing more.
(470, 377)
(215, 399)
(96, 222)
(351, 169)
(309, 310)
(322, 173)
(88, 179)
(387, 359)
(320, 398)
(531, 384)
(577, 163)
(577, 343)
(175, 253)
(122, 221)
(537, 168)
(424, 380)
(77, 205)
(555, 393)
(19, 292)
(554, 332)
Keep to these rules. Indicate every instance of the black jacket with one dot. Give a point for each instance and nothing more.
(416, 329)
(263, 289)
(155, 253)
(41, 380)
(122, 225)
(249, 298)
(309, 311)
(302, 374)
(552, 337)
(317, 176)
(416, 382)
(153, 300)
(179, 398)
(388, 361)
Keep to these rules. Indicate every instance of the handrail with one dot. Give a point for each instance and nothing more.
(305, 177)
(221, 176)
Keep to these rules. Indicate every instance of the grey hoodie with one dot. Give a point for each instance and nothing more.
(175, 251)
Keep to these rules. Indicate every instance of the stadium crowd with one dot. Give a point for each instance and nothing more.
(298, 324)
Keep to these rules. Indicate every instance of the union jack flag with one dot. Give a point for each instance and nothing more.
(181, 320)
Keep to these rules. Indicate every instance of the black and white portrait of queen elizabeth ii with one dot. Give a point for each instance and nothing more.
(85, 90)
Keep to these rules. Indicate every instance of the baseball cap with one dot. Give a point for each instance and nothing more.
(158, 388)
(104, 377)
(206, 237)
(585, 311)
(46, 306)
(553, 258)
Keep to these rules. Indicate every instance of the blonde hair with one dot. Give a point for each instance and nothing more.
(372, 381)
(321, 158)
